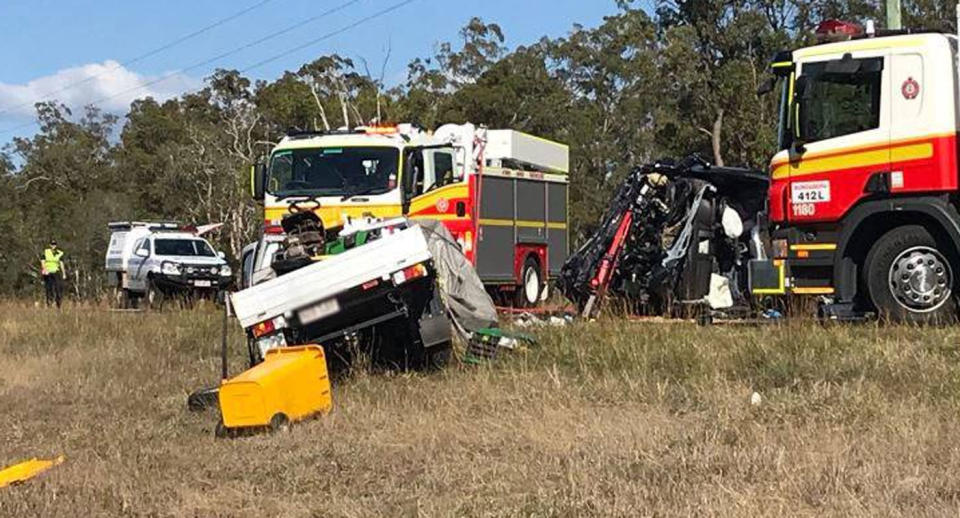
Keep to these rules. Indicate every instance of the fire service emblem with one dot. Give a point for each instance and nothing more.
(910, 89)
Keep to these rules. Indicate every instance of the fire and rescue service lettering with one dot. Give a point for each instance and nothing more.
(811, 192)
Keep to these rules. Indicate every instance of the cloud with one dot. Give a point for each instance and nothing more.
(109, 85)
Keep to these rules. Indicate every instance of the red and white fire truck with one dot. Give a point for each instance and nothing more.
(864, 189)
(501, 193)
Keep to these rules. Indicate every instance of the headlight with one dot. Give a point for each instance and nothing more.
(225, 271)
(170, 269)
(274, 341)
(214, 270)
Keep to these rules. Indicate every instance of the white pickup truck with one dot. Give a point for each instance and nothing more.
(160, 261)
(380, 297)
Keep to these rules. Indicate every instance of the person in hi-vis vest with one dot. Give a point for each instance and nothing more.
(51, 267)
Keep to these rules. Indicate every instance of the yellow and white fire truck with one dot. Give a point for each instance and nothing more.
(864, 188)
(501, 193)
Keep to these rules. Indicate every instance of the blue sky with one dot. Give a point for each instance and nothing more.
(50, 44)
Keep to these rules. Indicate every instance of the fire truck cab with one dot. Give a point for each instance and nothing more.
(501, 193)
(863, 196)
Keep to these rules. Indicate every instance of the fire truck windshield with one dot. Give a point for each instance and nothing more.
(333, 171)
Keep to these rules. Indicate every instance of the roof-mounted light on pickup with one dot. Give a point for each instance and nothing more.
(380, 130)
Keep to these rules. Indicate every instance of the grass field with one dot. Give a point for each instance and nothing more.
(607, 418)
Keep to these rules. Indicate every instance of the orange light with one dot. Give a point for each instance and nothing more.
(381, 130)
(410, 273)
(415, 271)
(803, 254)
(263, 328)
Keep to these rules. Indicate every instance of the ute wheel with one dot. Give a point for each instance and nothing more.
(909, 277)
(279, 423)
(528, 293)
(153, 297)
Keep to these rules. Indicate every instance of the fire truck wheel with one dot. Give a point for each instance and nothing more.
(909, 277)
(528, 293)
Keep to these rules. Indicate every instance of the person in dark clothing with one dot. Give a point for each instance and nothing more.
(54, 273)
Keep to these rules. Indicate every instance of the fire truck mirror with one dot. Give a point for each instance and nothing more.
(461, 209)
(766, 87)
(258, 174)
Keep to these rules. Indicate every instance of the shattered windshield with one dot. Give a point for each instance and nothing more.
(188, 247)
(333, 171)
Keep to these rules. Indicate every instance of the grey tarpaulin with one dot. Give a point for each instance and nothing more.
(462, 290)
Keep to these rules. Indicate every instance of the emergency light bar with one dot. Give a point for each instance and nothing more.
(379, 130)
(151, 225)
(830, 31)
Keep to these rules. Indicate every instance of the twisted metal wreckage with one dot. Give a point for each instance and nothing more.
(677, 236)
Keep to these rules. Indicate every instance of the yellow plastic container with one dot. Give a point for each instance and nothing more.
(290, 385)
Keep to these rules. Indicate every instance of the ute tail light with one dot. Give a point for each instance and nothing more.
(409, 273)
(268, 326)
(836, 30)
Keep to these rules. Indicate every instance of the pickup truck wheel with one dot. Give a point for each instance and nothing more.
(120, 298)
(528, 293)
(153, 297)
(909, 277)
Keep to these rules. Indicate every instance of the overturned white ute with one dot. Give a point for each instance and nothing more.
(156, 262)
(393, 291)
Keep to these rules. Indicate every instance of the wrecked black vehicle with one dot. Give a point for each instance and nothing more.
(676, 241)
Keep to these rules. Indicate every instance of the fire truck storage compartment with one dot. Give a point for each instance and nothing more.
(520, 208)
(509, 148)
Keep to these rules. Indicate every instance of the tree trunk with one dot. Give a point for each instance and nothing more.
(715, 137)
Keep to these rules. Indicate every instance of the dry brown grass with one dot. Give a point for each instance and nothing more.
(603, 419)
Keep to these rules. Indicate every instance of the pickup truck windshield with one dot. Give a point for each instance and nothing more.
(342, 171)
(188, 247)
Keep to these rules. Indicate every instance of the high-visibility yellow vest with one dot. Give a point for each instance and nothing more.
(51, 260)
